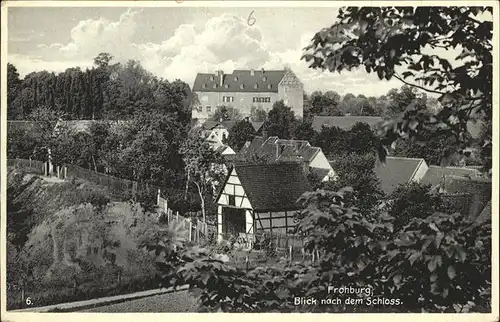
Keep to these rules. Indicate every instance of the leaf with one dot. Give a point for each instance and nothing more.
(414, 257)
(451, 272)
(432, 265)
(397, 279)
(433, 227)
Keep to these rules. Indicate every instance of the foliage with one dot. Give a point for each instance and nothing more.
(107, 90)
(334, 141)
(226, 113)
(357, 171)
(203, 166)
(257, 114)
(303, 131)
(381, 38)
(411, 200)
(239, 134)
(280, 121)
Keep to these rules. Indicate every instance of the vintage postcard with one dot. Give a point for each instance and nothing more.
(249, 157)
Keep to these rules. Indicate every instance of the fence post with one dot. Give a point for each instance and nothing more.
(65, 172)
(190, 229)
(177, 216)
(58, 174)
(158, 198)
(290, 253)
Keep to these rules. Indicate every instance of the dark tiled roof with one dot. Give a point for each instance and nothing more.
(343, 122)
(257, 125)
(275, 149)
(396, 171)
(266, 81)
(435, 174)
(273, 187)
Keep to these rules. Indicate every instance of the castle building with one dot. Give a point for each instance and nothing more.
(244, 89)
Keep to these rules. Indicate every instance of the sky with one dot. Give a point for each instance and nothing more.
(177, 43)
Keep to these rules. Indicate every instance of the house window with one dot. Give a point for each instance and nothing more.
(209, 109)
(228, 99)
(261, 99)
(232, 200)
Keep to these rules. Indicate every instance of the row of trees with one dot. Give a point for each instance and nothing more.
(106, 91)
(330, 103)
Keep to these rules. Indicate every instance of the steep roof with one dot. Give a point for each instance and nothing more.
(435, 174)
(257, 125)
(240, 81)
(276, 149)
(273, 187)
(396, 171)
(343, 122)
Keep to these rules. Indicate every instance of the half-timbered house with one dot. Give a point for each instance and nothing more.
(259, 198)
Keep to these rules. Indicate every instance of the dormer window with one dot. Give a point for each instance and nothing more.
(264, 79)
(242, 86)
(215, 85)
(204, 85)
(255, 86)
(235, 78)
(212, 78)
(268, 86)
(227, 85)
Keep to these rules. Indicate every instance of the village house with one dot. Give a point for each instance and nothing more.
(259, 198)
(244, 89)
(274, 149)
(398, 170)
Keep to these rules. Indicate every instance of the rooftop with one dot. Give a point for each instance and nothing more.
(343, 122)
(435, 174)
(396, 171)
(275, 186)
(239, 81)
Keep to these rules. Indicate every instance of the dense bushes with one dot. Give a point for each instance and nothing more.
(441, 263)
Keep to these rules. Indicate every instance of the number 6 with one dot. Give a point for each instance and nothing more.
(28, 301)
(251, 20)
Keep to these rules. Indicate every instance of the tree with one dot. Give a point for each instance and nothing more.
(325, 103)
(304, 131)
(409, 201)
(202, 166)
(360, 139)
(14, 111)
(381, 38)
(257, 114)
(357, 171)
(280, 121)
(226, 113)
(332, 140)
(240, 133)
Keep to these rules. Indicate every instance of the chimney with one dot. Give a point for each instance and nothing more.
(220, 73)
(252, 72)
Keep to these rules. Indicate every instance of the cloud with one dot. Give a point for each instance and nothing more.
(27, 64)
(91, 37)
(224, 42)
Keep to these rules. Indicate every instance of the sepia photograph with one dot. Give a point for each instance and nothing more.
(289, 157)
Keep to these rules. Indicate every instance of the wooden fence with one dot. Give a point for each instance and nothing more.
(197, 231)
(34, 166)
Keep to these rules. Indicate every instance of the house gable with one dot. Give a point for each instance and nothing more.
(234, 189)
